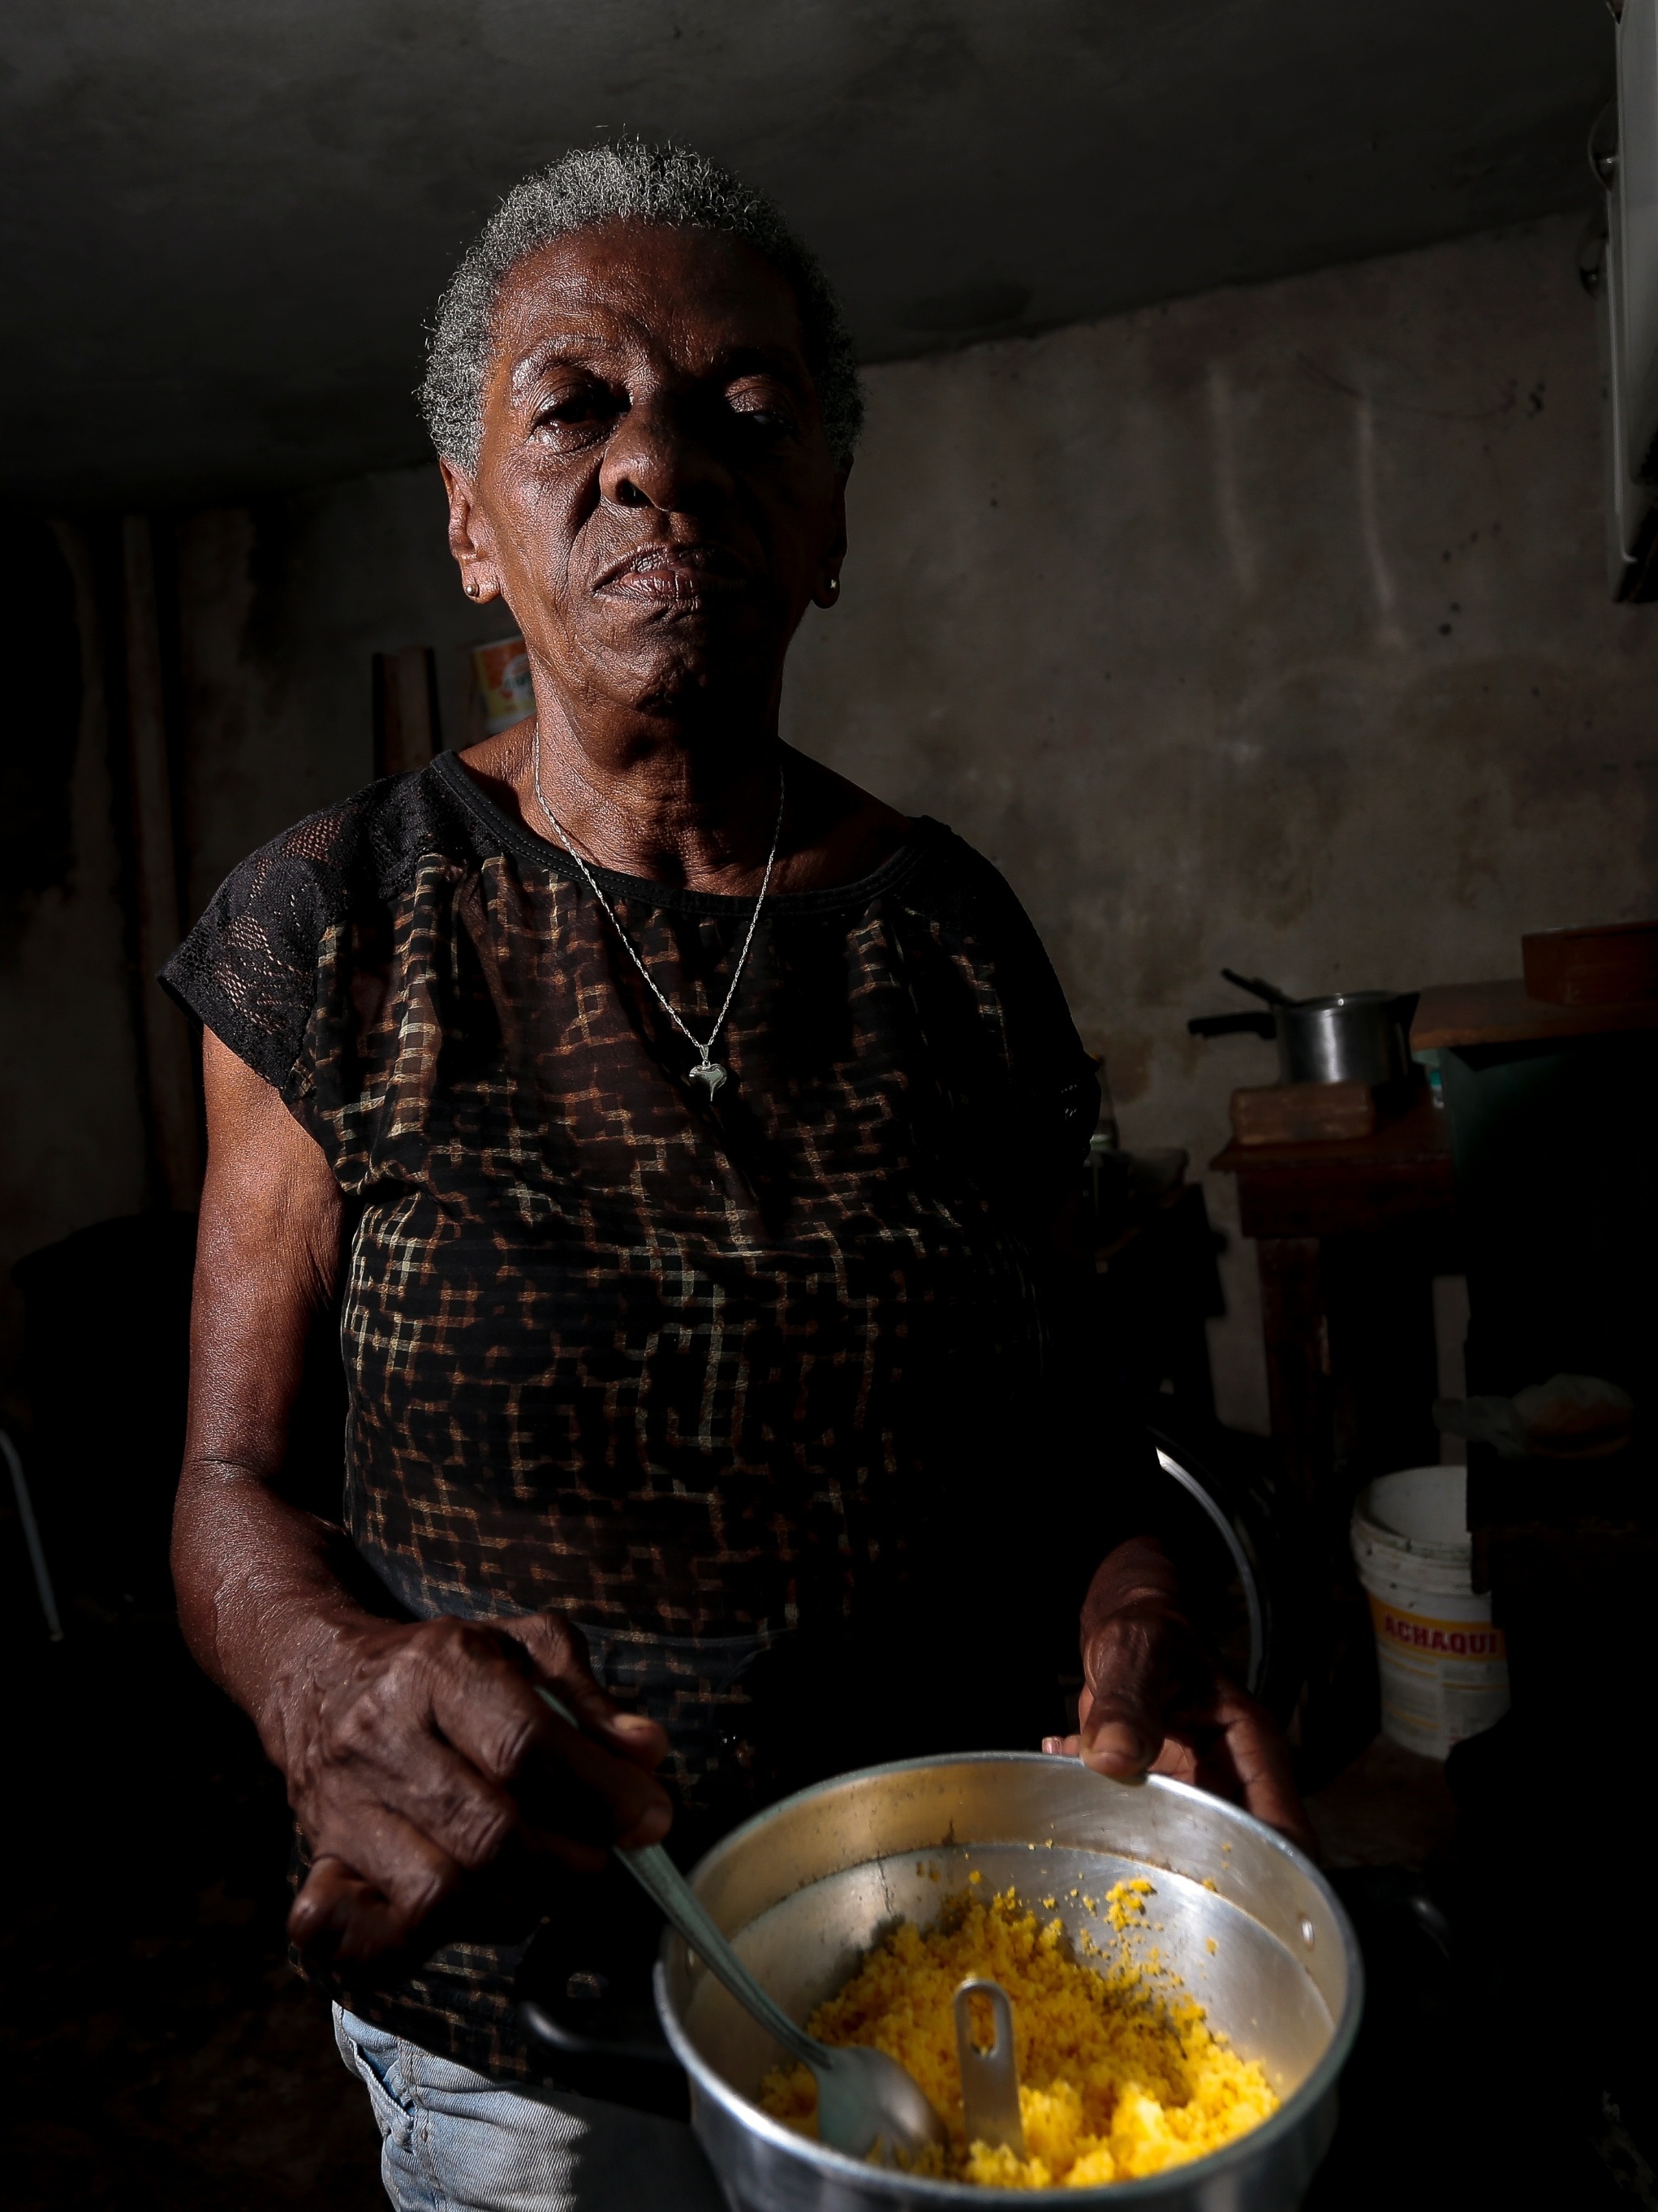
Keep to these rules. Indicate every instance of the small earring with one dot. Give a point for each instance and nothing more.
(834, 586)
(470, 588)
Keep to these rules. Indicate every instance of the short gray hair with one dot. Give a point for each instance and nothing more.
(623, 181)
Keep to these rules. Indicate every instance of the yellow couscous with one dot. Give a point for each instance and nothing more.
(1119, 2075)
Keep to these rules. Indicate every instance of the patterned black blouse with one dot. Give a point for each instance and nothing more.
(707, 1373)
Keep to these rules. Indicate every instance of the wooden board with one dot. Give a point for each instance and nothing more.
(1399, 1175)
(1604, 967)
(1303, 1113)
(1451, 1014)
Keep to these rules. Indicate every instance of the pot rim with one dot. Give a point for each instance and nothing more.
(1334, 1000)
(917, 2189)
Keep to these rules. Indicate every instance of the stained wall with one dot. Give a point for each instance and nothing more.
(1267, 628)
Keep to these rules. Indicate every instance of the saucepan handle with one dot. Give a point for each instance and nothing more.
(1249, 1025)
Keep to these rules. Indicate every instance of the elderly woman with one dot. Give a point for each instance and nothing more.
(680, 1139)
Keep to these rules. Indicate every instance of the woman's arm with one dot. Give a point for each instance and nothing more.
(412, 1751)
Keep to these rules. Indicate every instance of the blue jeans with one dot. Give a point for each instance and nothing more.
(453, 2140)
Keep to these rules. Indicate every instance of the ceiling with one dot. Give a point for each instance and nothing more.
(223, 221)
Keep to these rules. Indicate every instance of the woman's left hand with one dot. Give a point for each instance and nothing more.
(1153, 1701)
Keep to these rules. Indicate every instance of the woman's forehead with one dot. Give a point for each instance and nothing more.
(696, 295)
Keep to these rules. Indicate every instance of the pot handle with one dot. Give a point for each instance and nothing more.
(546, 2029)
(1252, 1024)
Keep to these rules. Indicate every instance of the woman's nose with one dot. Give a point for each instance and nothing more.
(656, 458)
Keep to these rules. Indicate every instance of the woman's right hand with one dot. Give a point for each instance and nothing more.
(421, 1764)
(418, 1756)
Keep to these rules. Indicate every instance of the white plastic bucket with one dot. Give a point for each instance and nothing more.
(1444, 1671)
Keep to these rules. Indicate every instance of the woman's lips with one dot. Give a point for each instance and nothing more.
(671, 573)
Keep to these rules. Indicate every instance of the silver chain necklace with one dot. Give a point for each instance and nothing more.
(706, 1070)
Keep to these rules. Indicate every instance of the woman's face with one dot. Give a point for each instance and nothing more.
(655, 497)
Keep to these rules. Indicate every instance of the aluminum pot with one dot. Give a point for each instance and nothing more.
(1357, 1037)
(805, 1889)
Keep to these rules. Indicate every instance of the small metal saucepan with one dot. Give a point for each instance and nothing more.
(1353, 1037)
(805, 1889)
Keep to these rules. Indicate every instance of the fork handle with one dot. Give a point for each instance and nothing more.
(656, 1873)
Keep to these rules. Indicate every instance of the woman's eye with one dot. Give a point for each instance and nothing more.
(766, 410)
(571, 413)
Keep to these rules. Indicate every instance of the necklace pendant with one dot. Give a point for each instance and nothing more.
(710, 1072)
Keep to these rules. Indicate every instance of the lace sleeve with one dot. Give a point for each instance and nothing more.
(249, 969)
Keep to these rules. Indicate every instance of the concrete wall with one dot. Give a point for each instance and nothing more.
(282, 608)
(1266, 627)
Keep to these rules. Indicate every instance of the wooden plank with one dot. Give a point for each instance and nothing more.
(1303, 1113)
(168, 1051)
(1608, 965)
(1298, 1333)
(406, 733)
(1452, 1014)
(1399, 1174)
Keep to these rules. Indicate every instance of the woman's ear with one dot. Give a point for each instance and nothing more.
(827, 590)
(470, 537)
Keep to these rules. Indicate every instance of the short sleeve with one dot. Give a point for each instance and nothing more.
(249, 969)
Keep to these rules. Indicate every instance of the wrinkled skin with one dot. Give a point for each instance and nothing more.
(655, 500)
(415, 1756)
(1153, 1701)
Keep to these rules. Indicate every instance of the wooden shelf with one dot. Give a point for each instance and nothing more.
(1398, 1174)
(1451, 1014)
